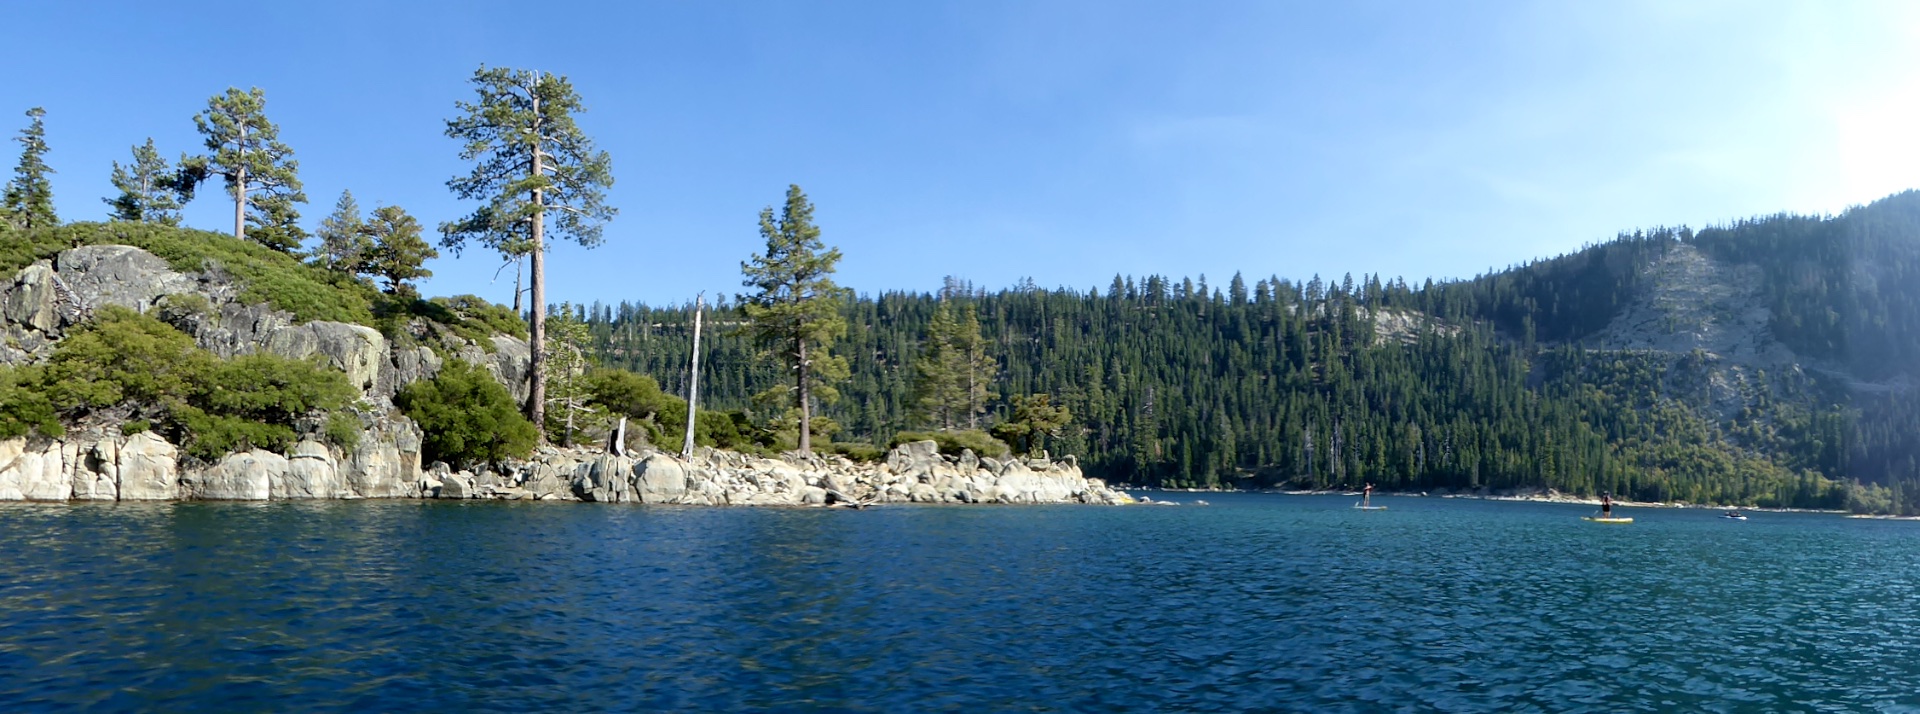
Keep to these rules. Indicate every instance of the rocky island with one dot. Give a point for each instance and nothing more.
(100, 458)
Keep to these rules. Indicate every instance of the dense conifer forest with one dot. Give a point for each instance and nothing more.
(1501, 382)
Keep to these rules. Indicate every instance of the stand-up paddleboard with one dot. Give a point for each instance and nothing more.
(1605, 514)
(1366, 503)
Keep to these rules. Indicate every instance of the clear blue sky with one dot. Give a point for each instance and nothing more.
(1066, 141)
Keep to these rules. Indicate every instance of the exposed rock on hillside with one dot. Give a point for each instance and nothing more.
(1406, 326)
(47, 298)
(1693, 302)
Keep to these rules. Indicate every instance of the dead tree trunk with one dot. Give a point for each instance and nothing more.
(693, 381)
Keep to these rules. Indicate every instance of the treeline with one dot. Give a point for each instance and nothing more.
(1276, 390)
(1174, 382)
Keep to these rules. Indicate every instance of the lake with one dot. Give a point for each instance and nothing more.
(1258, 601)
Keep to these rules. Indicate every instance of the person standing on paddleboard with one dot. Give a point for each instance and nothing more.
(1606, 505)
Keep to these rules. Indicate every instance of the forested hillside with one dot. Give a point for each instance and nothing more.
(1770, 361)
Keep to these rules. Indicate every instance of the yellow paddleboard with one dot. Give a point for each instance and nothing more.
(1597, 519)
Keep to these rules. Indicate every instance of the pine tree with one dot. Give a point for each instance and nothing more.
(1035, 418)
(343, 238)
(939, 381)
(260, 172)
(794, 312)
(147, 191)
(979, 367)
(531, 159)
(29, 196)
(566, 345)
(395, 250)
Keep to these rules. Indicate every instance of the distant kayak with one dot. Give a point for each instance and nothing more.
(1602, 519)
(1735, 516)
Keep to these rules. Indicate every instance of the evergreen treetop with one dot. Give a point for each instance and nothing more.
(343, 237)
(260, 172)
(28, 200)
(147, 189)
(395, 250)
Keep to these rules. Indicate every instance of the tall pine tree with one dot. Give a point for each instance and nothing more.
(260, 172)
(530, 159)
(953, 374)
(794, 311)
(29, 196)
(978, 366)
(939, 393)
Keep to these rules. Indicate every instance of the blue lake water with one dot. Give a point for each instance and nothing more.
(1258, 602)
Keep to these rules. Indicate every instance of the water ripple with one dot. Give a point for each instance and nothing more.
(1258, 603)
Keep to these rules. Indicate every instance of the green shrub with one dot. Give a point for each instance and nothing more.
(730, 430)
(206, 405)
(952, 442)
(465, 316)
(662, 417)
(624, 393)
(467, 417)
(343, 430)
(123, 356)
(136, 426)
(477, 312)
(865, 453)
(209, 436)
(1035, 419)
(186, 304)
(270, 388)
(24, 407)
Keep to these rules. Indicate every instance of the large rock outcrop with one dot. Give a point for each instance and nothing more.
(358, 350)
(148, 469)
(243, 476)
(310, 473)
(385, 461)
(28, 474)
(41, 302)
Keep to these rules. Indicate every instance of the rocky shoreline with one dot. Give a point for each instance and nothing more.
(144, 467)
(98, 461)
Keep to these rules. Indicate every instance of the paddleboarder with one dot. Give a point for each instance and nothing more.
(1606, 505)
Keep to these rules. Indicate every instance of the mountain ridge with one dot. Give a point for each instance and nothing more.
(1763, 361)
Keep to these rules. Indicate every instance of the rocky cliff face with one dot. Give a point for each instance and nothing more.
(45, 300)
